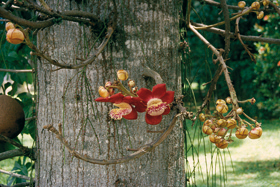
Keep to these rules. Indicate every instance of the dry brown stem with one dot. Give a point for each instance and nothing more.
(239, 38)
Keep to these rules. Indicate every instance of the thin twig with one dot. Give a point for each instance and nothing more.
(239, 38)
(243, 37)
(212, 87)
(15, 174)
(246, 11)
(18, 70)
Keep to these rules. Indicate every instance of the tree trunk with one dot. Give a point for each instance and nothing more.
(146, 32)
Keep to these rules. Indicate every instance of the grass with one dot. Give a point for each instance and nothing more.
(246, 163)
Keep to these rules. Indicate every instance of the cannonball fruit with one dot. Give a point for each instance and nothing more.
(12, 117)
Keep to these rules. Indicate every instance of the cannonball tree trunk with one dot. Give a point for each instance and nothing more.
(145, 34)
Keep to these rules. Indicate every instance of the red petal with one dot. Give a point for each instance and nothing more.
(168, 97)
(145, 94)
(153, 120)
(166, 111)
(140, 107)
(159, 90)
(102, 99)
(131, 115)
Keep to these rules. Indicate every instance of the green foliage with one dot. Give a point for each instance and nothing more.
(268, 69)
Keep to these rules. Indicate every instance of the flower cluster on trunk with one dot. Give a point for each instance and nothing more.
(155, 103)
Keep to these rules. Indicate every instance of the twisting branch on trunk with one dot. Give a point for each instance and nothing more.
(138, 152)
(84, 63)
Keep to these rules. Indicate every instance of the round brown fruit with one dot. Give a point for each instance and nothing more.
(11, 117)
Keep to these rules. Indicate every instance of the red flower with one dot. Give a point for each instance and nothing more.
(278, 64)
(157, 102)
(125, 110)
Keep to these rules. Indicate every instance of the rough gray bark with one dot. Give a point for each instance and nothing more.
(147, 32)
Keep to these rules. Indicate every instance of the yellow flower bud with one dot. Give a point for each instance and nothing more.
(255, 5)
(110, 90)
(15, 36)
(207, 130)
(222, 123)
(265, 2)
(241, 4)
(228, 100)
(9, 25)
(231, 123)
(241, 133)
(201, 117)
(253, 100)
(260, 15)
(131, 83)
(214, 138)
(222, 108)
(255, 133)
(103, 92)
(122, 75)
(220, 102)
(239, 111)
(222, 144)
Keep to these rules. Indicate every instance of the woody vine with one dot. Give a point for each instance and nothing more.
(219, 124)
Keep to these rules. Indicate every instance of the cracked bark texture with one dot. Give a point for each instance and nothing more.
(147, 32)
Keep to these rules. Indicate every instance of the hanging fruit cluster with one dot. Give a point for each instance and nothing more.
(155, 103)
(220, 127)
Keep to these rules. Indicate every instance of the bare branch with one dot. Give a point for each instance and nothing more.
(23, 184)
(15, 174)
(14, 153)
(18, 70)
(243, 37)
(34, 25)
(227, 27)
(27, 151)
(246, 11)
